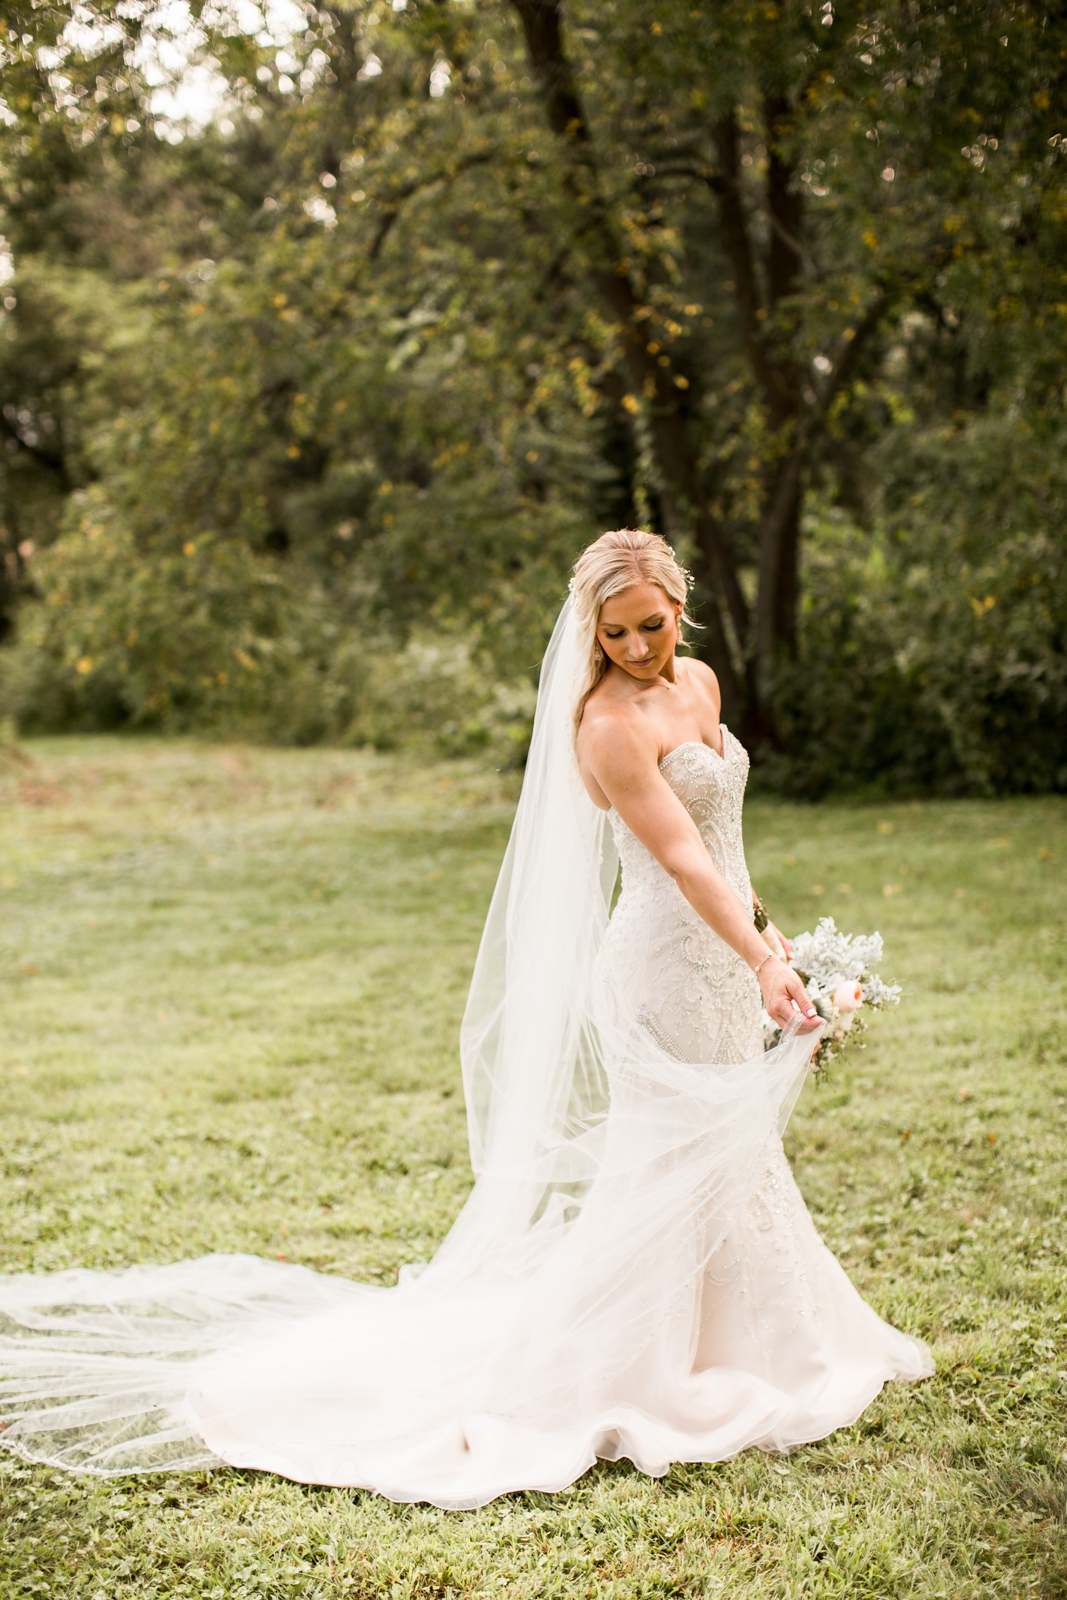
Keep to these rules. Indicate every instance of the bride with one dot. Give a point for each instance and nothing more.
(635, 1273)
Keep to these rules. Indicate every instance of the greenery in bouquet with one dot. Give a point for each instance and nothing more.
(839, 972)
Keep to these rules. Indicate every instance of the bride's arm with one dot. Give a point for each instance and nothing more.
(621, 755)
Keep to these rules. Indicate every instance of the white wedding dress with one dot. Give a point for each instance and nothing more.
(635, 1273)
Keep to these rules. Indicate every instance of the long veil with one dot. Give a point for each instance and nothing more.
(608, 1174)
(533, 1077)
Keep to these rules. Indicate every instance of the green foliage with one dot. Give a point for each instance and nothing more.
(934, 655)
(403, 329)
(433, 692)
(61, 331)
(232, 985)
(984, 506)
(200, 634)
(209, 635)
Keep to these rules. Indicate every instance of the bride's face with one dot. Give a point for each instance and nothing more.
(638, 630)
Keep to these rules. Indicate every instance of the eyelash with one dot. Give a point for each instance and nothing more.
(652, 628)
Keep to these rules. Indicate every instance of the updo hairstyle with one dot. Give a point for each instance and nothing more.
(609, 566)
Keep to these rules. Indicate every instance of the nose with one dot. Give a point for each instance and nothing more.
(640, 649)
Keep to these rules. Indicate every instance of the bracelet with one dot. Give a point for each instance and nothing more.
(763, 963)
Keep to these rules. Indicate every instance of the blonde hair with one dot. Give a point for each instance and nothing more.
(609, 566)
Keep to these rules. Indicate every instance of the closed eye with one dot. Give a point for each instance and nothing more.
(648, 627)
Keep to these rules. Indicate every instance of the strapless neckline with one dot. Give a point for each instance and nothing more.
(698, 744)
(687, 744)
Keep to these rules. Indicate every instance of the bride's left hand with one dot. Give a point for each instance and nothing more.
(787, 944)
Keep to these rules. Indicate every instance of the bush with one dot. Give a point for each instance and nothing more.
(201, 635)
(933, 651)
(436, 692)
(210, 636)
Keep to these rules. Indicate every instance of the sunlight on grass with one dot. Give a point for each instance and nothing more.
(232, 984)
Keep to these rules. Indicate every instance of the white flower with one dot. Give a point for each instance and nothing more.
(831, 959)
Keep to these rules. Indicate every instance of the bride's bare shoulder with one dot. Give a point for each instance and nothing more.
(612, 730)
(702, 681)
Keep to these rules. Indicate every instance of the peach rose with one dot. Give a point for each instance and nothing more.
(847, 997)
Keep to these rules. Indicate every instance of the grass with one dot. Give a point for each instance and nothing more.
(232, 981)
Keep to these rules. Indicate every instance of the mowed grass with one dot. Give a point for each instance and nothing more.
(232, 981)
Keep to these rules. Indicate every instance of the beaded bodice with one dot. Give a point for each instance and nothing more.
(712, 789)
(660, 963)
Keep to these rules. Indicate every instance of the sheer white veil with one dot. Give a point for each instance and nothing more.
(531, 1072)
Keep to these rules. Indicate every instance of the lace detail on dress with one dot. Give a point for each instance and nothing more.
(664, 1040)
(660, 960)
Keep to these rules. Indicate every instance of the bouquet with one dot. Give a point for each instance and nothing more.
(838, 972)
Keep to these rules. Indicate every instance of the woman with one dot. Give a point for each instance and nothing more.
(634, 1273)
(650, 714)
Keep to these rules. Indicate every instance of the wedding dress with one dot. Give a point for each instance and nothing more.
(634, 1274)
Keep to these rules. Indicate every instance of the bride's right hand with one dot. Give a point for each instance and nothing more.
(785, 996)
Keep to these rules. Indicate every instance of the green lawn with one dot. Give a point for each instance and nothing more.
(232, 981)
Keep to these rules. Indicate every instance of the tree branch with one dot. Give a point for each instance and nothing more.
(44, 458)
(399, 196)
(850, 356)
(782, 504)
(559, 91)
(726, 184)
(784, 205)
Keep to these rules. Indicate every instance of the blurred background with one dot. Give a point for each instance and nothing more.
(330, 334)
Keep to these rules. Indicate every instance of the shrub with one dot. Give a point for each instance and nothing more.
(203, 634)
(933, 650)
(208, 635)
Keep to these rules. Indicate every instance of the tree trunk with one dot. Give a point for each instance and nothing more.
(9, 592)
(777, 557)
(685, 508)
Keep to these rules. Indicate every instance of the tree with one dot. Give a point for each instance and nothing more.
(825, 145)
(449, 287)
